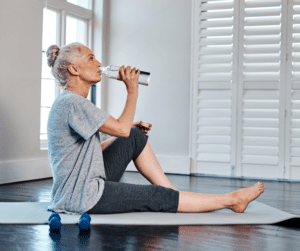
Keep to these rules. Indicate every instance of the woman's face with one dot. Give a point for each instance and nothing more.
(88, 67)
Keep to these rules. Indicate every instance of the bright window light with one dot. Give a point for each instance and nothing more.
(82, 3)
(76, 31)
(48, 82)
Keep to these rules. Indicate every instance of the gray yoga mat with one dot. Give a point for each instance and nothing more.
(36, 213)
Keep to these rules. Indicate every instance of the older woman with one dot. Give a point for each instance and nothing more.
(86, 172)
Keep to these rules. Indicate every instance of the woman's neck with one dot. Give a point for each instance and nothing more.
(82, 90)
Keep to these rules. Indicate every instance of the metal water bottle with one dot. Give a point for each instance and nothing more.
(111, 71)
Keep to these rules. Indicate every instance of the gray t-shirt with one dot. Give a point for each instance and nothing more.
(75, 153)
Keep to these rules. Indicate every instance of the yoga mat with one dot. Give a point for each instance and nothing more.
(36, 213)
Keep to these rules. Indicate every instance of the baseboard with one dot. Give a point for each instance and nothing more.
(24, 170)
(243, 178)
(169, 164)
(34, 169)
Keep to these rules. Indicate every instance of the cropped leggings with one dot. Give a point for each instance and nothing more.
(121, 197)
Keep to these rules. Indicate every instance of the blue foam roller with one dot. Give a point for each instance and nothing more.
(84, 221)
(54, 221)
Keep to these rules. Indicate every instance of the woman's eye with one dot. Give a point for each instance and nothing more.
(91, 57)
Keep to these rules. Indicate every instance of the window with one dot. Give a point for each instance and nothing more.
(62, 24)
(49, 88)
(246, 84)
(76, 30)
(82, 3)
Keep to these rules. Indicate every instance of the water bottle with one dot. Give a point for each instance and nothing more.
(111, 71)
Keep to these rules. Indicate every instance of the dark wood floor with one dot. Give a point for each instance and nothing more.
(282, 195)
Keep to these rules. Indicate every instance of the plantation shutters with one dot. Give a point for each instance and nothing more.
(246, 72)
(215, 63)
(292, 160)
(260, 151)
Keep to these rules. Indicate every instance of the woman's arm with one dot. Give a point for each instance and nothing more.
(121, 127)
(106, 143)
(138, 125)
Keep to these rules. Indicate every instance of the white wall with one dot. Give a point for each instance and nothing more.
(20, 79)
(20, 91)
(153, 36)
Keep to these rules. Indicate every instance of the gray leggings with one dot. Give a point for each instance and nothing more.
(121, 197)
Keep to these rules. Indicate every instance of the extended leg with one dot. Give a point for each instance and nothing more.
(236, 201)
(189, 202)
(148, 166)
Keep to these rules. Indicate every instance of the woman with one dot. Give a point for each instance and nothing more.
(86, 172)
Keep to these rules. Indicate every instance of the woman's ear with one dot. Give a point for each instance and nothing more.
(73, 70)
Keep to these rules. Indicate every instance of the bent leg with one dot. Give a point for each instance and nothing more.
(149, 167)
(120, 152)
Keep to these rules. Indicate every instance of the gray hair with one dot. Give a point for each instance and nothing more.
(60, 58)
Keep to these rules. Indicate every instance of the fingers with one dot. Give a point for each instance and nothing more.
(128, 70)
(145, 126)
(121, 72)
(136, 71)
(144, 129)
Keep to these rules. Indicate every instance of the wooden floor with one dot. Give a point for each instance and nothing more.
(282, 195)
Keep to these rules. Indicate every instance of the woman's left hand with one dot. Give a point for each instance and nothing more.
(142, 126)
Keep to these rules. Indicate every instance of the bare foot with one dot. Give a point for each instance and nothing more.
(240, 199)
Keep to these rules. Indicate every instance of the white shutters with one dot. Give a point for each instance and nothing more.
(214, 74)
(292, 160)
(260, 147)
(260, 23)
(215, 44)
(246, 72)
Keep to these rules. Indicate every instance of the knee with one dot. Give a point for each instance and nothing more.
(136, 135)
(133, 132)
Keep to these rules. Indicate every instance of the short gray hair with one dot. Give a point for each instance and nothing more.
(60, 58)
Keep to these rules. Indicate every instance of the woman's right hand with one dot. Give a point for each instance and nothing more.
(130, 78)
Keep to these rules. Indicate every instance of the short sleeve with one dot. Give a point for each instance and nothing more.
(85, 118)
